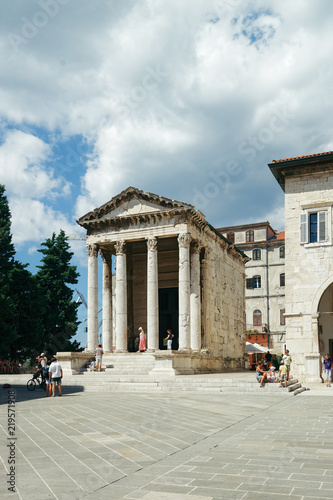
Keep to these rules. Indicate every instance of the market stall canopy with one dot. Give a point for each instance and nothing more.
(254, 348)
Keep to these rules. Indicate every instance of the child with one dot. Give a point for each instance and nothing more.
(283, 374)
(287, 361)
(327, 366)
(271, 375)
(48, 388)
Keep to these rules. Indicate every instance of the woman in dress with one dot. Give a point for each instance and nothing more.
(142, 345)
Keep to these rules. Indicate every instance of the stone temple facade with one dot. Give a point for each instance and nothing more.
(308, 185)
(172, 270)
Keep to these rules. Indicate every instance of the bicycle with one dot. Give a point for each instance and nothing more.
(37, 379)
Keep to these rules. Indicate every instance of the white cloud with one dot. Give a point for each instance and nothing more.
(22, 167)
(167, 92)
(33, 221)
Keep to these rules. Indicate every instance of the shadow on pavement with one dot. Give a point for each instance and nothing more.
(23, 394)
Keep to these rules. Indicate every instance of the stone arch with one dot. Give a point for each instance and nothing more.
(322, 316)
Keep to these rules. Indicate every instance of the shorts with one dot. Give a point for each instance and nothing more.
(56, 381)
(98, 361)
(258, 375)
(328, 374)
(283, 377)
(169, 344)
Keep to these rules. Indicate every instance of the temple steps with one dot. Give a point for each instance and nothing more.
(238, 382)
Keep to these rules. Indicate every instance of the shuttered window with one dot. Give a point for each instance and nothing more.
(257, 320)
(256, 254)
(314, 227)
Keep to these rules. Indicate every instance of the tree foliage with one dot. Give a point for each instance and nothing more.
(37, 312)
(59, 312)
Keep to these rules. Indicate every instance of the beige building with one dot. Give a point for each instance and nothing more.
(308, 185)
(172, 270)
(265, 280)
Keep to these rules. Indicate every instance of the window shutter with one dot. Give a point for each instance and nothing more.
(249, 283)
(303, 220)
(322, 224)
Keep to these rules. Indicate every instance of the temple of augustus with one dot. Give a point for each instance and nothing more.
(172, 270)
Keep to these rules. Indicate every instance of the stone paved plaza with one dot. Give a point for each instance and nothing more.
(174, 446)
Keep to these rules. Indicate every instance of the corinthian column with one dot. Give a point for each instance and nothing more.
(107, 300)
(121, 297)
(92, 251)
(184, 290)
(195, 299)
(152, 295)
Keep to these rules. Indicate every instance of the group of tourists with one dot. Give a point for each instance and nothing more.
(52, 374)
(9, 366)
(274, 368)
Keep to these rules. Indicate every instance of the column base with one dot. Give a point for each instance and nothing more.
(120, 351)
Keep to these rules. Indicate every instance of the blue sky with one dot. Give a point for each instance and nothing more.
(189, 100)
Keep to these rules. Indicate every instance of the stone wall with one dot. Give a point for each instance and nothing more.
(309, 268)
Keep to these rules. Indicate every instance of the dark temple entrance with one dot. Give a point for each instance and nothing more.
(168, 315)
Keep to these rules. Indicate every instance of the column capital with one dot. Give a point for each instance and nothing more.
(92, 250)
(120, 247)
(196, 247)
(106, 255)
(184, 240)
(152, 244)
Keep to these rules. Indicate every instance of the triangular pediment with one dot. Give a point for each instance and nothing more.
(132, 202)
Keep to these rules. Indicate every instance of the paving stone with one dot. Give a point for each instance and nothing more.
(114, 445)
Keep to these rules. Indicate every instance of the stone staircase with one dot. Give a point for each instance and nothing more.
(126, 364)
(206, 383)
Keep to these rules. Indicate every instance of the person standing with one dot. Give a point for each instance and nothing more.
(283, 374)
(55, 375)
(268, 358)
(327, 367)
(169, 338)
(142, 345)
(287, 361)
(48, 387)
(99, 354)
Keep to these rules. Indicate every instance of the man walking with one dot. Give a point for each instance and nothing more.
(55, 375)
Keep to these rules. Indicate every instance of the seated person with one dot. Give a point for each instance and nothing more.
(93, 366)
(261, 373)
(271, 375)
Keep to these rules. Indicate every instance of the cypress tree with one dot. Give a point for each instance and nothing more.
(59, 311)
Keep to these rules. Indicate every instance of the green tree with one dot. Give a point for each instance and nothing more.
(7, 263)
(27, 304)
(59, 311)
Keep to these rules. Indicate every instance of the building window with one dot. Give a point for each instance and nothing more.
(250, 235)
(314, 227)
(257, 321)
(231, 237)
(282, 279)
(282, 318)
(282, 252)
(254, 282)
(256, 254)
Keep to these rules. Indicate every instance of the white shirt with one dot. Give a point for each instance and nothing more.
(55, 368)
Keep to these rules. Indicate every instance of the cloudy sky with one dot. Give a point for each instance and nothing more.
(189, 99)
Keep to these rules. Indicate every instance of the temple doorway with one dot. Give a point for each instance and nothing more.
(168, 315)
